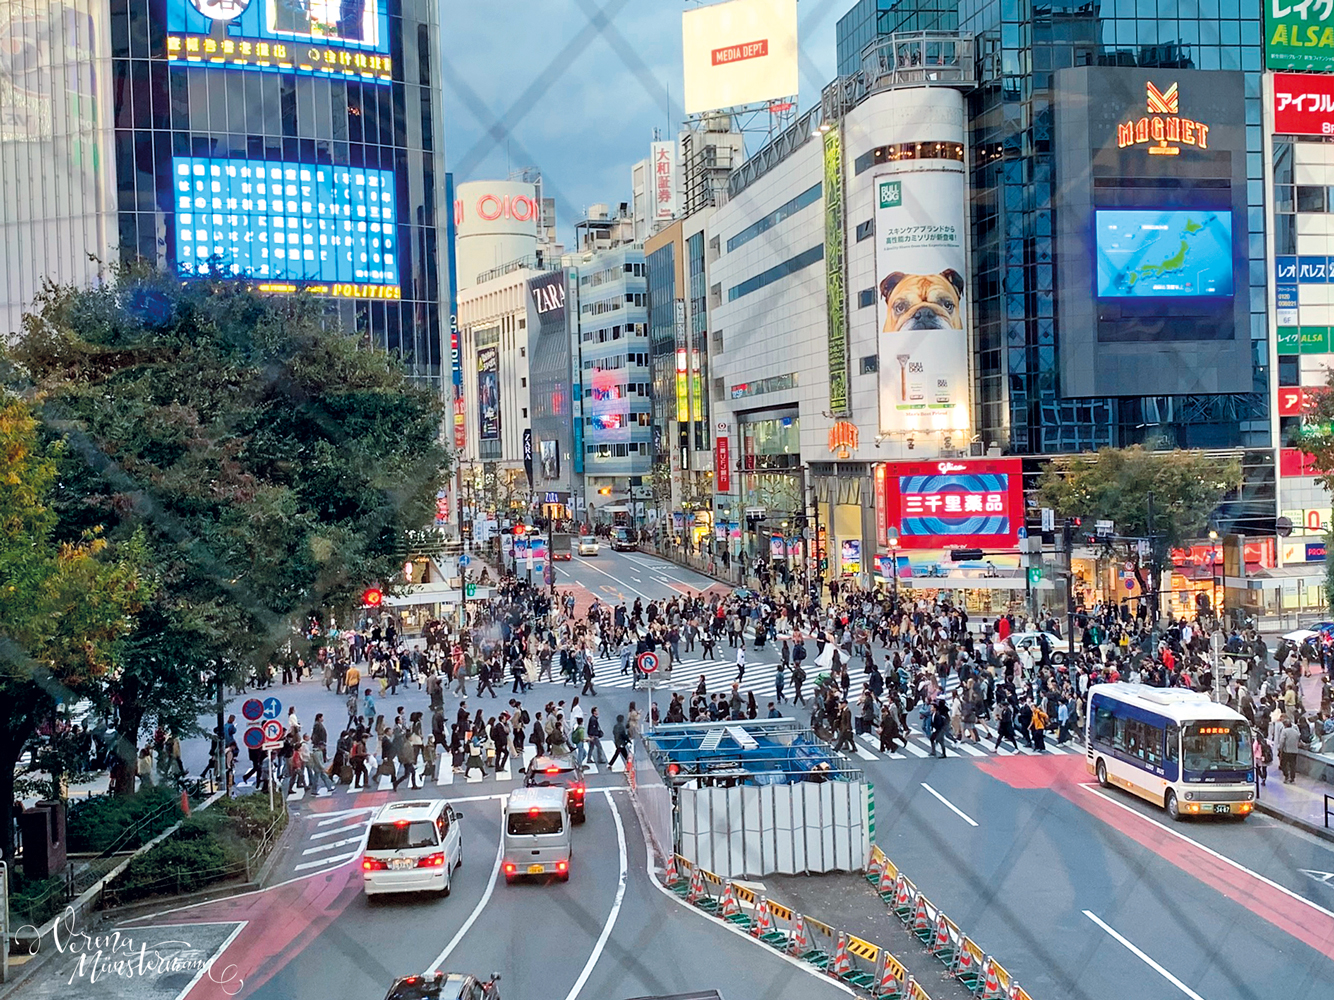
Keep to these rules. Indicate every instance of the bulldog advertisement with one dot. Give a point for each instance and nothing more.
(922, 297)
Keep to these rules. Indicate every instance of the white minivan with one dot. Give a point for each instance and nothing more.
(537, 834)
(412, 846)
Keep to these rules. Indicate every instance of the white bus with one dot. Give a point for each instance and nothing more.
(1176, 748)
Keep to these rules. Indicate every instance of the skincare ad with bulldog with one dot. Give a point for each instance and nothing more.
(920, 273)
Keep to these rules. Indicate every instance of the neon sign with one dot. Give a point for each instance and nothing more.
(1162, 126)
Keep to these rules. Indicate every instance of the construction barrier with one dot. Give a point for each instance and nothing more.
(924, 920)
(863, 961)
(1017, 992)
(671, 877)
(892, 980)
(968, 966)
(846, 957)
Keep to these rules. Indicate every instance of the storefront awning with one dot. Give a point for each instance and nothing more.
(433, 593)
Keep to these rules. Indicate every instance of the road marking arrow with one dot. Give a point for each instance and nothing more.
(1325, 878)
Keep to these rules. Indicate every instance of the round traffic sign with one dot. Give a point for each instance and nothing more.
(465, 560)
(648, 662)
(253, 709)
(272, 708)
(273, 730)
(254, 737)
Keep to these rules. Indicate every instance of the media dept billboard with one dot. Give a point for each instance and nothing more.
(921, 286)
(312, 36)
(963, 504)
(1299, 34)
(741, 52)
(327, 229)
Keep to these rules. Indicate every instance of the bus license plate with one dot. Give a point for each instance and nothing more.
(535, 869)
(1222, 809)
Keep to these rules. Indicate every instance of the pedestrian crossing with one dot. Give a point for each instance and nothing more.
(919, 747)
(719, 675)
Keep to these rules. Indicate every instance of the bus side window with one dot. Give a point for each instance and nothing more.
(1153, 745)
(1103, 725)
(1173, 737)
(1119, 735)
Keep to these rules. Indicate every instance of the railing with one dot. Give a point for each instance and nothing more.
(1328, 811)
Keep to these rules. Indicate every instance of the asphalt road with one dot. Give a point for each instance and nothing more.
(1078, 892)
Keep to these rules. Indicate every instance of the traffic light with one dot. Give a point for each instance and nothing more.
(372, 597)
(966, 555)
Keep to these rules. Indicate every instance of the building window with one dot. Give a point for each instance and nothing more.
(776, 273)
(523, 382)
(524, 411)
(908, 151)
(784, 211)
(1289, 371)
(865, 229)
(1312, 199)
(866, 297)
(870, 363)
(523, 352)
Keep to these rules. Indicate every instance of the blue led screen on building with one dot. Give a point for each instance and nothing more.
(285, 221)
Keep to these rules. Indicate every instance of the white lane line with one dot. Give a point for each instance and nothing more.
(481, 903)
(343, 814)
(228, 973)
(950, 805)
(336, 859)
(1143, 957)
(1211, 852)
(334, 833)
(619, 583)
(615, 905)
(332, 846)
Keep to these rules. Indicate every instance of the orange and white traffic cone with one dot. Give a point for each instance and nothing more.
(920, 920)
(887, 983)
(902, 897)
(801, 942)
(185, 803)
(873, 870)
(942, 938)
(842, 963)
(764, 920)
(696, 890)
(965, 965)
(887, 883)
(671, 876)
(729, 907)
(991, 987)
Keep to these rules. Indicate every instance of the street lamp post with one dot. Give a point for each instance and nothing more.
(894, 561)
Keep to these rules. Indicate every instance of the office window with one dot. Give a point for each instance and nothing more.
(870, 363)
(776, 273)
(865, 298)
(784, 211)
(865, 229)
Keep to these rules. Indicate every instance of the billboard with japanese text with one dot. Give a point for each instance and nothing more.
(921, 284)
(1299, 34)
(662, 159)
(488, 393)
(955, 504)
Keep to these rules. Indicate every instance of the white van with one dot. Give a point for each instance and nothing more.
(537, 834)
(412, 846)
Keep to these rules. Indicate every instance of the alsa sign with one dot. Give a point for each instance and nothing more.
(1162, 131)
(1303, 104)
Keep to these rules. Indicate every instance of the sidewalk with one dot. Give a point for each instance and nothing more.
(1301, 804)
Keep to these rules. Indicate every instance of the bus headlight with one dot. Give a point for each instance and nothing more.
(1249, 796)
(1189, 796)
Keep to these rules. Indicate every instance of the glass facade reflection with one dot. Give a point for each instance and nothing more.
(302, 111)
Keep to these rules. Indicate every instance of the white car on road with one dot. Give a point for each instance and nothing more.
(412, 846)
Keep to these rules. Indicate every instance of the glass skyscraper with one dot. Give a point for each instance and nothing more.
(299, 146)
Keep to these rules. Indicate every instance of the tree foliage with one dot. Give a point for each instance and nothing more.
(272, 464)
(65, 606)
(1115, 485)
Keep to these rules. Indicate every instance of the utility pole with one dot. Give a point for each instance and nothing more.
(220, 765)
(1067, 544)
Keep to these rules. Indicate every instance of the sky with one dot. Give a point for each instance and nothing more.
(576, 88)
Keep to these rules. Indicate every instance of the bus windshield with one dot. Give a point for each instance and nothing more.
(1216, 746)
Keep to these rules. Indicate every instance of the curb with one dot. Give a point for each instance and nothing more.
(1295, 821)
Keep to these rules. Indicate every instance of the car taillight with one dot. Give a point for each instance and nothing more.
(562, 865)
(509, 869)
(372, 865)
(578, 791)
(431, 861)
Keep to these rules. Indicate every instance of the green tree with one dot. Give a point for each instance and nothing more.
(1116, 484)
(272, 463)
(65, 606)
